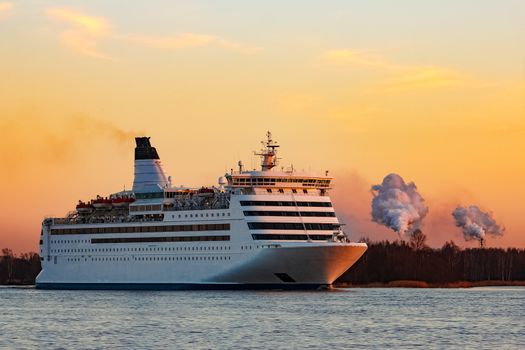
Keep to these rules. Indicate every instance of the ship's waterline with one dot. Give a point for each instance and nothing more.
(255, 229)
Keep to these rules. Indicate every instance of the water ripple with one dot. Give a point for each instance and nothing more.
(475, 318)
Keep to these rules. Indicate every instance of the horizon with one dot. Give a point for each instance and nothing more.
(363, 90)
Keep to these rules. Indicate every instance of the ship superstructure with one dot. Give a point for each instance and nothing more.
(254, 229)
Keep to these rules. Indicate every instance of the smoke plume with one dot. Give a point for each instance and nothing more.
(398, 205)
(475, 223)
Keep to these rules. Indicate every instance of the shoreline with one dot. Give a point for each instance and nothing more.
(423, 284)
(391, 284)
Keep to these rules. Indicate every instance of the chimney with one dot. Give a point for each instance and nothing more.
(149, 175)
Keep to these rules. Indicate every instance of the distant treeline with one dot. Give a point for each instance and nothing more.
(400, 261)
(382, 263)
(21, 269)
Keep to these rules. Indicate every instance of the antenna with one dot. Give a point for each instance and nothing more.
(268, 153)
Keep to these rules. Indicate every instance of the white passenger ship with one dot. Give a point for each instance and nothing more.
(255, 229)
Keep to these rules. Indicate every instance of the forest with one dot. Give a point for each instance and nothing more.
(384, 262)
(18, 269)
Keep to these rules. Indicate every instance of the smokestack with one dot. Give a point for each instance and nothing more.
(476, 224)
(398, 205)
(149, 175)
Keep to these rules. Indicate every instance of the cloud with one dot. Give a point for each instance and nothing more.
(187, 40)
(93, 25)
(85, 32)
(6, 9)
(419, 78)
(400, 77)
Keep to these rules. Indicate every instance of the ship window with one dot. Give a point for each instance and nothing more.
(281, 190)
(305, 191)
(269, 190)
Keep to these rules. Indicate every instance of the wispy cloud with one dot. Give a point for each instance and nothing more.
(187, 40)
(85, 32)
(418, 78)
(94, 25)
(6, 9)
(400, 77)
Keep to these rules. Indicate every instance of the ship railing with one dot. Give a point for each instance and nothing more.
(100, 220)
(195, 207)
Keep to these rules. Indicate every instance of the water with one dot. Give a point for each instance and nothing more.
(353, 318)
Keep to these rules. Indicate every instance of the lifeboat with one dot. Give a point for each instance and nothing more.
(84, 207)
(205, 192)
(122, 201)
(101, 203)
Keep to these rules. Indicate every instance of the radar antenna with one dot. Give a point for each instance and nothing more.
(268, 153)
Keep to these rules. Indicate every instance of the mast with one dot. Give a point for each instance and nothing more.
(268, 153)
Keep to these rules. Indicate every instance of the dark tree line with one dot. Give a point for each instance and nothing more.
(386, 262)
(21, 269)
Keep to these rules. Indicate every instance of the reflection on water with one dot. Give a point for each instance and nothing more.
(490, 317)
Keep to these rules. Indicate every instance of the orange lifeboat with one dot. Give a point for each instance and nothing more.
(101, 203)
(204, 191)
(122, 201)
(84, 207)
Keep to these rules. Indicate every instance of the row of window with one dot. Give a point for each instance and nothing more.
(62, 241)
(201, 215)
(149, 195)
(291, 226)
(145, 207)
(289, 213)
(253, 181)
(286, 204)
(281, 190)
(140, 249)
(153, 258)
(271, 237)
(160, 239)
(129, 229)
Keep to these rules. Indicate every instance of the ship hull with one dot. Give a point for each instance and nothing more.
(308, 266)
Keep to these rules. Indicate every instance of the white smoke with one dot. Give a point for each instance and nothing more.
(475, 223)
(398, 205)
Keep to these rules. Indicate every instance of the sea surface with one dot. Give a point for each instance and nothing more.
(477, 318)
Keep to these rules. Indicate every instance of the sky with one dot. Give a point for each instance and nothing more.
(432, 90)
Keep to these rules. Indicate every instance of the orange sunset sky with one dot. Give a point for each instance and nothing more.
(432, 90)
